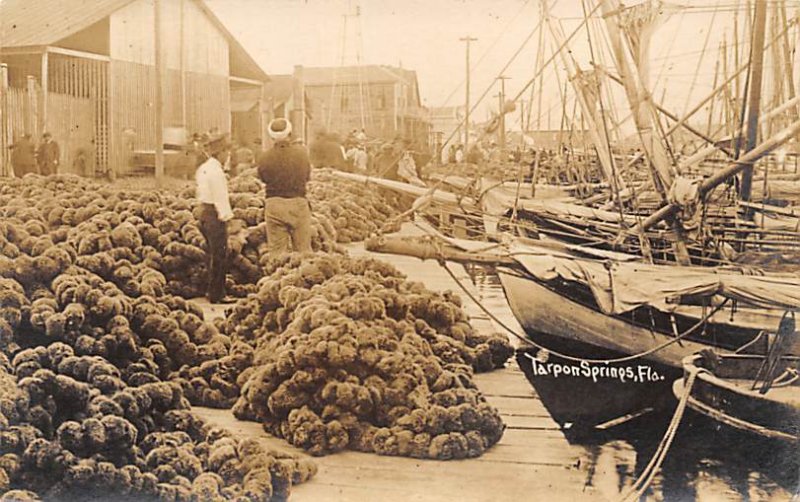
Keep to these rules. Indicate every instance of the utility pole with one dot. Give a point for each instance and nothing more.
(159, 157)
(501, 110)
(468, 39)
(754, 100)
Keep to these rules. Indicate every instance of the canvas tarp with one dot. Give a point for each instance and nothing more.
(621, 287)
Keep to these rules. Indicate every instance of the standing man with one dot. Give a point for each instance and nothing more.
(459, 155)
(361, 159)
(215, 211)
(48, 155)
(23, 156)
(387, 163)
(285, 170)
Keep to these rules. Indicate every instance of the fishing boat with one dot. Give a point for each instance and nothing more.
(732, 389)
(646, 318)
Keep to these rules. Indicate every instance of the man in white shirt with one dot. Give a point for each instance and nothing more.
(215, 211)
(459, 156)
(358, 156)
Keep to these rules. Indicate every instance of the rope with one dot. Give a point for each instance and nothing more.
(644, 480)
(524, 339)
(750, 343)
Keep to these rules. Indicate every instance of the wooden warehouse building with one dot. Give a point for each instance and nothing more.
(85, 71)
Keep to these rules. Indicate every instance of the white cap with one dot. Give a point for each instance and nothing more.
(279, 129)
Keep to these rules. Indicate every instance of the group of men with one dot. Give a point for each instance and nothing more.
(27, 158)
(285, 170)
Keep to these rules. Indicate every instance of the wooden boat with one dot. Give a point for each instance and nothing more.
(599, 303)
(565, 313)
(584, 398)
(725, 390)
(564, 316)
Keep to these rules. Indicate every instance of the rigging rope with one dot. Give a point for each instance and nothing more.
(645, 479)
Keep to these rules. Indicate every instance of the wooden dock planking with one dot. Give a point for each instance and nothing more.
(531, 460)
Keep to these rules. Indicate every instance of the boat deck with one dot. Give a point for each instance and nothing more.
(533, 458)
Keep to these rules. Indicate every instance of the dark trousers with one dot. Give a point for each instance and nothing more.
(216, 234)
(21, 170)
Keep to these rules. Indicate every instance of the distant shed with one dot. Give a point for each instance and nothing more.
(85, 71)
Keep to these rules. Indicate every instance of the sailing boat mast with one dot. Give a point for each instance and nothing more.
(644, 115)
(639, 100)
(583, 91)
(754, 100)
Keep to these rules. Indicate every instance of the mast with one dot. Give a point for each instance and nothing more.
(644, 115)
(639, 100)
(583, 90)
(754, 101)
(788, 62)
(501, 137)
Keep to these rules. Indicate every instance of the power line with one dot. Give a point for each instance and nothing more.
(486, 52)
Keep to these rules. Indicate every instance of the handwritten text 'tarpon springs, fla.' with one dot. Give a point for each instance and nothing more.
(639, 373)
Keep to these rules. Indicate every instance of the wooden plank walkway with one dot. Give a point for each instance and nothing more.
(533, 460)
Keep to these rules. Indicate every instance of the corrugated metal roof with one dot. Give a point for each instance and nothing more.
(44, 22)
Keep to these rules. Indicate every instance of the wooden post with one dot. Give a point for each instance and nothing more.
(114, 154)
(535, 175)
(5, 124)
(754, 104)
(32, 108)
(468, 39)
(159, 157)
(263, 123)
(501, 110)
(299, 103)
(43, 104)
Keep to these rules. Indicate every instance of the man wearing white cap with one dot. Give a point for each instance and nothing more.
(215, 211)
(285, 170)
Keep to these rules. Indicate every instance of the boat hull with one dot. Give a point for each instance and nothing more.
(580, 400)
(775, 415)
(542, 310)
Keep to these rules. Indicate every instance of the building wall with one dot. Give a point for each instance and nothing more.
(20, 66)
(207, 98)
(446, 121)
(204, 93)
(205, 49)
(339, 108)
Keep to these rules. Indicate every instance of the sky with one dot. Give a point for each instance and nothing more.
(423, 35)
